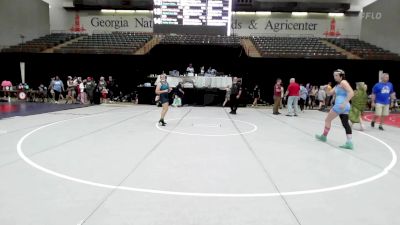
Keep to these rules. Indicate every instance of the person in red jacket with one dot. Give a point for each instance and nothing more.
(293, 93)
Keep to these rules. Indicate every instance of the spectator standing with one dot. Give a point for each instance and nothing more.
(293, 93)
(303, 97)
(90, 88)
(382, 94)
(277, 96)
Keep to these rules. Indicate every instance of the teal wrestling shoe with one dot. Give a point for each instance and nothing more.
(321, 137)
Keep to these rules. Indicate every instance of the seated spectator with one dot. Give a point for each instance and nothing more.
(6, 87)
(177, 101)
(42, 92)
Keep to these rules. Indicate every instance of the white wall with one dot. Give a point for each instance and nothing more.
(93, 21)
(380, 25)
(60, 18)
(358, 5)
(29, 18)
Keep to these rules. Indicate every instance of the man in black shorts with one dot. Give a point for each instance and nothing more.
(236, 91)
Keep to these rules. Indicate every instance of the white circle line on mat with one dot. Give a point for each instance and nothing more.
(209, 135)
(201, 194)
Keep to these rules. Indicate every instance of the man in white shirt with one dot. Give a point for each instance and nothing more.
(190, 70)
(202, 71)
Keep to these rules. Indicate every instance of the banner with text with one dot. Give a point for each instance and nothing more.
(287, 25)
(281, 24)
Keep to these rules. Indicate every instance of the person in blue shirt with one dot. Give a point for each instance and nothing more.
(303, 97)
(343, 94)
(382, 94)
(163, 90)
(58, 88)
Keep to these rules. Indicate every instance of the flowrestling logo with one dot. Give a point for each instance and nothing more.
(372, 15)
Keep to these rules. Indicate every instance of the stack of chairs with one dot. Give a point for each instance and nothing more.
(294, 47)
(125, 43)
(200, 40)
(363, 49)
(42, 43)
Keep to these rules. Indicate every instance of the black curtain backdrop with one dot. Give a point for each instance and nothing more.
(131, 70)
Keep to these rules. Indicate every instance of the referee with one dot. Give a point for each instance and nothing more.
(236, 91)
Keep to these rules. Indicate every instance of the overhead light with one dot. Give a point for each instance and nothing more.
(125, 11)
(143, 11)
(108, 11)
(335, 14)
(244, 13)
(263, 13)
(299, 13)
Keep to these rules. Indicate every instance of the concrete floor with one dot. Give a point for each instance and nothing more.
(112, 164)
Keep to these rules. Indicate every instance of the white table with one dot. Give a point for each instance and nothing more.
(199, 81)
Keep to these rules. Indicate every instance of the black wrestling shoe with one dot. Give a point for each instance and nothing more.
(163, 123)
